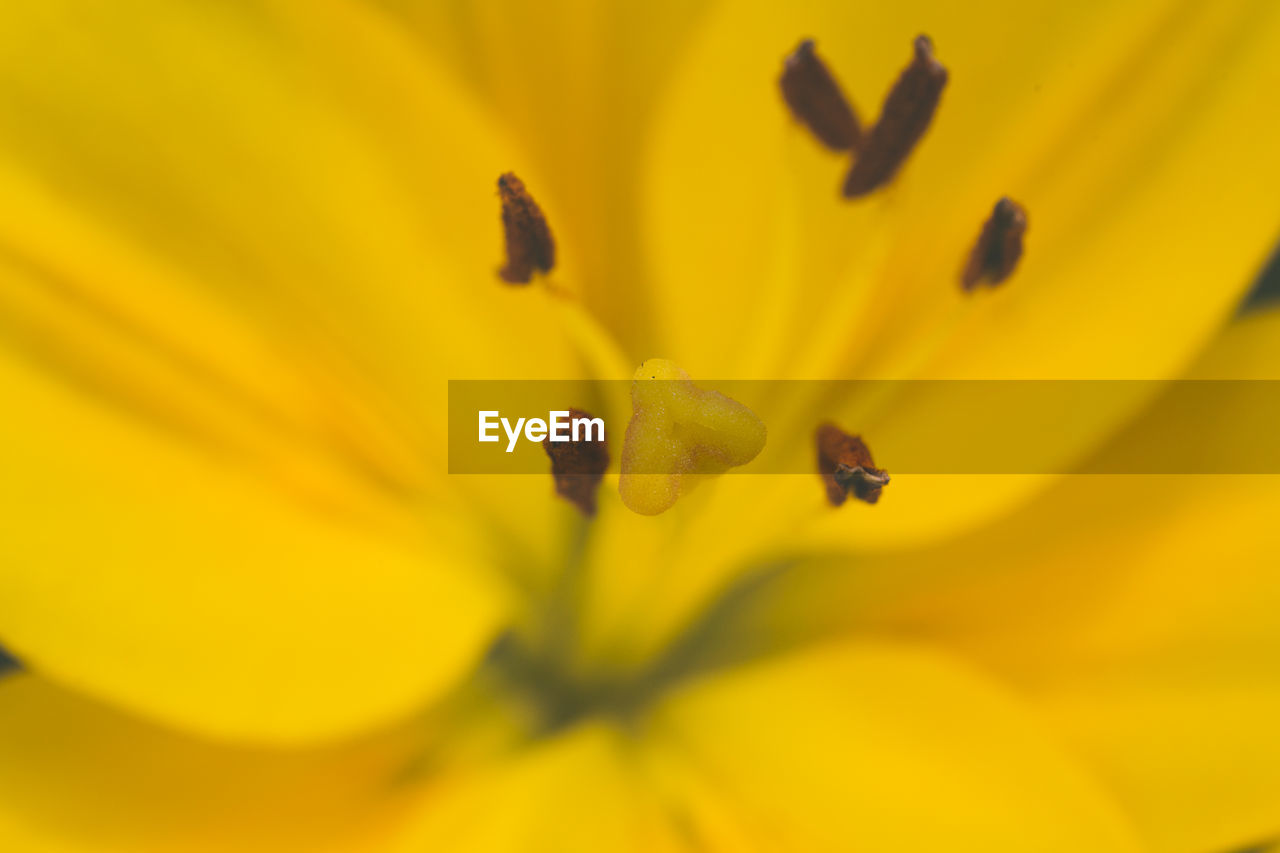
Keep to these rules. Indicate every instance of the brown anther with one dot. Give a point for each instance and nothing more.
(816, 101)
(905, 117)
(999, 246)
(578, 467)
(530, 247)
(846, 467)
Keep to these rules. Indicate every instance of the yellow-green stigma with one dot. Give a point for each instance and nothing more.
(678, 434)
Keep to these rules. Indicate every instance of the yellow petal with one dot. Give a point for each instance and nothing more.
(752, 244)
(815, 753)
(150, 570)
(829, 751)
(1107, 121)
(1158, 657)
(875, 747)
(1142, 622)
(76, 777)
(577, 83)
(263, 235)
(1110, 242)
(1136, 612)
(581, 791)
(298, 169)
(79, 777)
(299, 162)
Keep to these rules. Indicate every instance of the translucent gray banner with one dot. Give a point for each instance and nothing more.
(911, 427)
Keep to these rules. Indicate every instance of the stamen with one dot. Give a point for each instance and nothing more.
(999, 246)
(530, 247)
(906, 115)
(846, 467)
(578, 466)
(815, 99)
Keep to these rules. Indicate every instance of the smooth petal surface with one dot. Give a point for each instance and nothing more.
(1150, 641)
(748, 761)
(876, 747)
(1136, 612)
(77, 777)
(581, 791)
(242, 247)
(1117, 281)
(578, 83)
(299, 163)
(1158, 653)
(1094, 117)
(1108, 121)
(152, 572)
(831, 750)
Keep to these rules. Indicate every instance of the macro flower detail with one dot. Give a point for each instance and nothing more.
(903, 120)
(999, 246)
(246, 247)
(578, 466)
(530, 246)
(815, 98)
(846, 466)
(678, 435)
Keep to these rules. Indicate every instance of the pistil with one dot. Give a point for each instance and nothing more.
(678, 435)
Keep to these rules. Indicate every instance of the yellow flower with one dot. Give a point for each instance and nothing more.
(243, 245)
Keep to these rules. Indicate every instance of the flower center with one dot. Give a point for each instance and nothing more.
(557, 699)
(679, 433)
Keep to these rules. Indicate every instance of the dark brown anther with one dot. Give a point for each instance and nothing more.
(816, 101)
(530, 247)
(578, 466)
(999, 246)
(846, 467)
(906, 115)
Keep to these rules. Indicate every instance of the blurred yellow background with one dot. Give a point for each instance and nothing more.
(245, 245)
